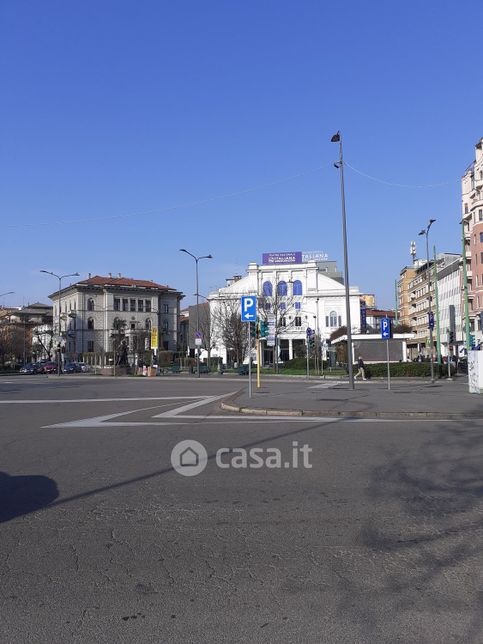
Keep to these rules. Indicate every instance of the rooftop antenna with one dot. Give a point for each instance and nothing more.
(412, 250)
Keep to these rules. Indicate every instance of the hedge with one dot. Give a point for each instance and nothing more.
(405, 370)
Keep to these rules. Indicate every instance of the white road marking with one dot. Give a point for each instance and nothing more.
(325, 385)
(179, 410)
(86, 400)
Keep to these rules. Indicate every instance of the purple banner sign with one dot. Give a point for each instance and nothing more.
(292, 257)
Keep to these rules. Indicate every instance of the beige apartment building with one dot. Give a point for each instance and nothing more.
(472, 213)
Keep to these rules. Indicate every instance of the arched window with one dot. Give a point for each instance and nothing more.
(90, 304)
(90, 324)
(148, 324)
(297, 287)
(333, 319)
(267, 289)
(282, 288)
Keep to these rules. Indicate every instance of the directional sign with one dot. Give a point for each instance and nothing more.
(248, 308)
(309, 332)
(385, 328)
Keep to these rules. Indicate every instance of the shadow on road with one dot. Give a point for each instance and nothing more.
(431, 559)
(23, 494)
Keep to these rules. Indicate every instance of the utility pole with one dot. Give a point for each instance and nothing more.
(197, 259)
(59, 347)
(337, 138)
(425, 232)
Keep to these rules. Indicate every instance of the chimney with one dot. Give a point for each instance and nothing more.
(119, 275)
(90, 275)
(110, 274)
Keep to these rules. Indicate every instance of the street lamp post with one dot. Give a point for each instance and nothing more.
(337, 138)
(425, 232)
(60, 278)
(197, 259)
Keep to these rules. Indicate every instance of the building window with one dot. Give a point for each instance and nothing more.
(117, 304)
(165, 308)
(267, 306)
(282, 306)
(480, 214)
(481, 237)
(297, 287)
(283, 321)
(133, 326)
(282, 288)
(267, 289)
(140, 306)
(147, 306)
(165, 326)
(90, 304)
(298, 321)
(466, 208)
(125, 304)
(333, 319)
(90, 346)
(148, 324)
(298, 306)
(90, 324)
(132, 305)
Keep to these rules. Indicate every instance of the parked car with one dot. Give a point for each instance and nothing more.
(72, 367)
(29, 368)
(83, 367)
(49, 367)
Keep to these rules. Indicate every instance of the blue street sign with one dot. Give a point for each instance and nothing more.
(310, 332)
(248, 308)
(385, 328)
(431, 320)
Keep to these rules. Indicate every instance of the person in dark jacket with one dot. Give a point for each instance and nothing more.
(361, 366)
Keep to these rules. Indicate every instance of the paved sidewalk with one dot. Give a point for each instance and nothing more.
(407, 398)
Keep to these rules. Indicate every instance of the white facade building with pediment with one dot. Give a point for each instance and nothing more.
(301, 294)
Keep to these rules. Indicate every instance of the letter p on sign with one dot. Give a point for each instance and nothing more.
(248, 308)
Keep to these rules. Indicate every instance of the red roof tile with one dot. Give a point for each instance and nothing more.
(99, 280)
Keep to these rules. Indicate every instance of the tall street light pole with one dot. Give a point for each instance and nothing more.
(425, 232)
(197, 259)
(60, 278)
(337, 138)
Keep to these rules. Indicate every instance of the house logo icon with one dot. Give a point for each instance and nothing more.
(189, 458)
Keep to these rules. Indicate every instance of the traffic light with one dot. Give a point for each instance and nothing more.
(451, 337)
(263, 329)
(311, 342)
(472, 340)
(254, 329)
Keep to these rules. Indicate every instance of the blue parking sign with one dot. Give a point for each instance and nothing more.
(248, 308)
(385, 328)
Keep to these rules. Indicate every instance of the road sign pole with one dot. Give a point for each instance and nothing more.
(308, 349)
(448, 357)
(249, 359)
(388, 367)
(258, 363)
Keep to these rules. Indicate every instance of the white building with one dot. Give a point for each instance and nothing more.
(299, 291)
(93, 309)
(449, 300)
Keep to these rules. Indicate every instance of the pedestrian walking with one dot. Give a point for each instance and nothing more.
(362, 369)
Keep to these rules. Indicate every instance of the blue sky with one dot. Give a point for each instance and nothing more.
(115, 112)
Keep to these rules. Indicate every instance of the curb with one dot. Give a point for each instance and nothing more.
(264, 411)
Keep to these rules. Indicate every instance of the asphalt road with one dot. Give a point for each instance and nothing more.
(102, 540)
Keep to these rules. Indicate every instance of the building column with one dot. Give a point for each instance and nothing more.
(290, 349)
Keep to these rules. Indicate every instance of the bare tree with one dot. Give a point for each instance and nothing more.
(228, 327)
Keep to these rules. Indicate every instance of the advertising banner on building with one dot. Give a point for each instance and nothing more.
(289, 257)
(154, 338)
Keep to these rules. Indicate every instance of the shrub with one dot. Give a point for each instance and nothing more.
(403, 370)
